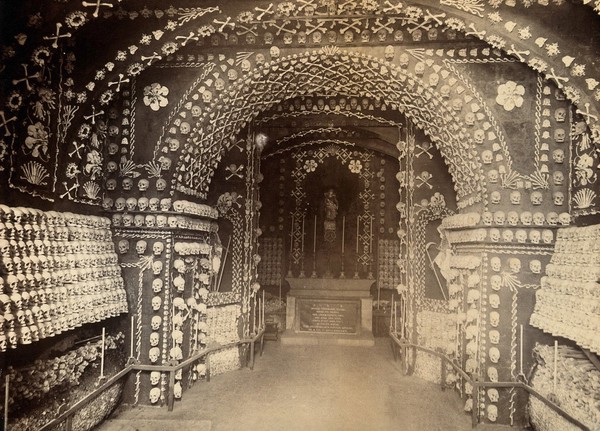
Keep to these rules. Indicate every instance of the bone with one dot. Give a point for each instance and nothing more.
(263, 12)
(57, 36)
(97, 5)
(5, 123)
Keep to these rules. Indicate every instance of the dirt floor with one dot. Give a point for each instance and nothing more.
(308, 388)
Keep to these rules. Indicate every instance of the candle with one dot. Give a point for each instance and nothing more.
(555, 363)
(303, 233)
(315, 237)
(357, 226)
(343, 231)
(102, 357)
(521, 348)
(131, 340)
(292, 236)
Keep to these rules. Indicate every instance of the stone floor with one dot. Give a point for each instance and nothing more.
(308, 388)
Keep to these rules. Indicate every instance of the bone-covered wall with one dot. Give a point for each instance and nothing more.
(184, 125)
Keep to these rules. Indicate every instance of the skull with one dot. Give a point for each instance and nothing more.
(457, 105)
(185, 128)
(499, 218)
(417, 35)
(112, 167)
(138, 220)
(404, 59)
(165, 204)
(398, 36)
(389, 53)
(156, 303)
(420, 68)
(495, 197)
(150, 220)
(495, 264)
(155, 377)
(521, 236)
(161, 184)
(493, 176)
(219, 85)
(157, 285)
(536, 198)
(207, 96)
(494, 235)
(487, 157)
(515, 197)
(479, 137)
(547, 236)
(558, 198)
(494, 354)
(155, 323)
(434, 80)
(143, 185)
(117, 219)
(317, 37)
(507, 235)
(131, 204)
(492, 373)
(558, 178)
(445, 91)
(120, 204)
(487, 218)
(260, 58)
(470, 119)
(153, 204)
(492, 410)
(274, 52)
(123, 246)
(177, 389)
(526, 218)
(232, 74)
(514, 264)
(161, 220)
(560, 115)
(157, 248)
(564, 219)
(492, 393)
(494, 319)
(494, 300)
(157, 267)
(558, 156)
(496, 282)
(535, 266)
(127, 184)
(154, 395)
(512, 218)
(176, 353)
(538, 219)
(154, 339)
(140, 247)
(552, 218)
(473, 296)
(559, 135)
(535, 236)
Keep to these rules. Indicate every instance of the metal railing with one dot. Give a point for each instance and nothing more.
(398, 343)
(133, 365)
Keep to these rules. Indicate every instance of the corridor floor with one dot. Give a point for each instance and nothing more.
(308, 388)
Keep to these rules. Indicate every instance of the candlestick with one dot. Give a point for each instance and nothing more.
(292, 236)
(302, 233)
(315, 237)
(521, 348)
(357, 227)
(102, 357)
(131, 340)
(263, 310)
(555, 364)
(370, 234)
(343, 232)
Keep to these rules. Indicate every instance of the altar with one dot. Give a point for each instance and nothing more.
(329, 311)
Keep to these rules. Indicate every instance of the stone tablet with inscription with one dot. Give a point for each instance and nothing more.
(328, 316)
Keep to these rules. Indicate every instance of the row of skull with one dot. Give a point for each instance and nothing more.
(535, 197)
(158, 247)
(133, 204)
(25, 215)
(546, 236)
(128, 183)
(77, 265)
(161, 221)
(20, 231)
(525, 218)
(514, 264)
(572, 235)
(581, 273)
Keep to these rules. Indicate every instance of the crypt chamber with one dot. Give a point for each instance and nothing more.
(189, 184)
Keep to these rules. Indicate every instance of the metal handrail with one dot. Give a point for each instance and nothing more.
(132, 365)
(404, 344)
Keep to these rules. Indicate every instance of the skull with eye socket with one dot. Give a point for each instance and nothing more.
(535, 266)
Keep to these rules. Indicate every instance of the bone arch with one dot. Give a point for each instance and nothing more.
(411, 99)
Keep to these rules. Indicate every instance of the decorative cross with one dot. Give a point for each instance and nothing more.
(437, 18)
(68, 191)
(519, 54)
(246, 30)
(223, 24)
(96, 5)
(310, 28)
(238, 145)
(390, 8)
(57, 36)
(380, 26)
(154, 56)
(282, 28)
(477, 34)
(5, 123)
(558, 79)
(348, 24)
(424, 150)
(424, 179)
(305, 3)
(76, 149)
(26, 78)
(119, 82)
(235, 171)
(586, 113)
(268, 10)
(186, 39)
(94, 114)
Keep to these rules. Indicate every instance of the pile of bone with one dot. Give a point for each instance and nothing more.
(61, 272)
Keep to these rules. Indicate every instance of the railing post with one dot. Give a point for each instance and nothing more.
(171, 395)
(475, 410)
(69, 423)
(443, 374)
